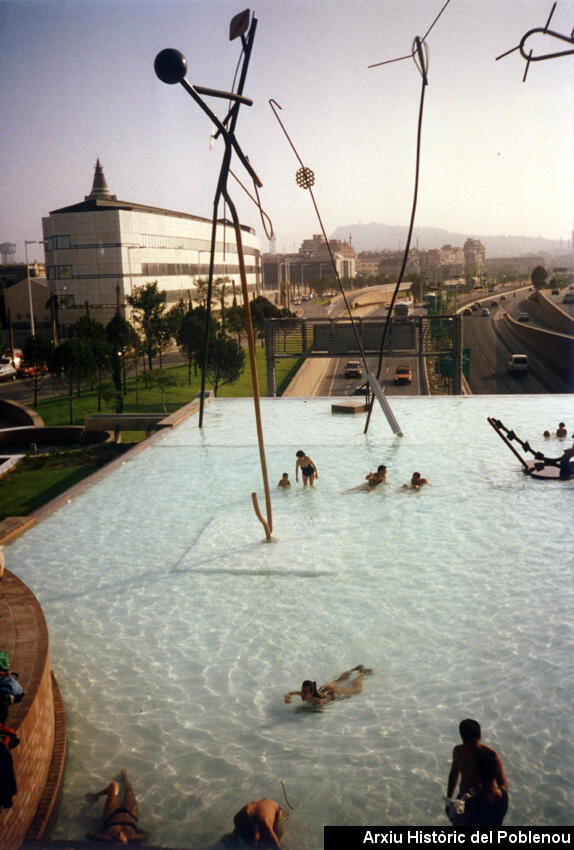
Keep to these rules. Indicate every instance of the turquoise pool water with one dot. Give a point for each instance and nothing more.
(175, 630)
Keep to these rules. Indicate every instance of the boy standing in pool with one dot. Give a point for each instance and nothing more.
(463, 761)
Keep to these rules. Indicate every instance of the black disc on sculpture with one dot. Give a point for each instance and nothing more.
(170, 65)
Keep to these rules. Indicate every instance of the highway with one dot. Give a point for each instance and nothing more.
(334, 383)
(491, 345)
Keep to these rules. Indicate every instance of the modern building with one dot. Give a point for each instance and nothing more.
(99, 250)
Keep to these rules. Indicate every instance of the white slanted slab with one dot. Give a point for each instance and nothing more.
(382, 399)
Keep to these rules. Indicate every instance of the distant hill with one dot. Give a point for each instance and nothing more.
(380, 237)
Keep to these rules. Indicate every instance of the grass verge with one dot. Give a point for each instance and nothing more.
(40, 478)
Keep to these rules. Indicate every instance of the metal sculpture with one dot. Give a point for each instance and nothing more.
(541, 57)
(171, 66)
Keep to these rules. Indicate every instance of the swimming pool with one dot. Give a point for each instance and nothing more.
(175, 629)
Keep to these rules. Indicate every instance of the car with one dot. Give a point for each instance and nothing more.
(494, 303)
(15, 355)
(485, 311)
(353, 369)
(7, 370)
(555, 292)
(474, 307)
(518, 364)
(467, 312)
(28, 370)
(568, 298)
(403, 375)
(523, 317)
(503, 297)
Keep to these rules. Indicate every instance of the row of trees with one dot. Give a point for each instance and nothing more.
(92, 352)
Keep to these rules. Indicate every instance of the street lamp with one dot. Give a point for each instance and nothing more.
(26, 243)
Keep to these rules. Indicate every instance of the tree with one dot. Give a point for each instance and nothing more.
(73, 360)
(261, 308)
(190, 336)
(148, 304)
(236, 322)
(121, 338)
(164, 381)
(225, 361)
(38, 351)
(538, 277)
(93, 335)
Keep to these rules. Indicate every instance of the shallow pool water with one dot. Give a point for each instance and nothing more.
(175, 629)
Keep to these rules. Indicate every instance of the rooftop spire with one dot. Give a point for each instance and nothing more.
(99, 186)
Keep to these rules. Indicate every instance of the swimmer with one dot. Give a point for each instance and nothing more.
(546, 435)
(259, 823)
(373, 480)
(331, 690)
(307, 467)
(416, 482)
(120, 818)
(561, 430)
(284, 483)
(379, 477)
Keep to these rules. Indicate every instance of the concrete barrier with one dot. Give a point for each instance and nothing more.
(554, 349)
(308, 376)
(547, 312)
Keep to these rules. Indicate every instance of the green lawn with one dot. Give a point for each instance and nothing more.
(37, 480)
(55, 411)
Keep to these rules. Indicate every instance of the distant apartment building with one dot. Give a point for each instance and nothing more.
(99, 250)
(514, 266)
(474, 258)
(289, 275)
(434, 265)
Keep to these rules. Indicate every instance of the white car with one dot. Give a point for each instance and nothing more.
(7, 370)
(518, 364)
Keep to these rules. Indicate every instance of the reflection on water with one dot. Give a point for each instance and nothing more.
(175, 631)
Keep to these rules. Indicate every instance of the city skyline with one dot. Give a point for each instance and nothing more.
(496, 151)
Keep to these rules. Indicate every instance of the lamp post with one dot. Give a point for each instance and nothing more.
(26, 243)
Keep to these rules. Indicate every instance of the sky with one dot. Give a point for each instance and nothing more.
(497, 153)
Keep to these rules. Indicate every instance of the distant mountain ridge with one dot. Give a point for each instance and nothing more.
(381, 237)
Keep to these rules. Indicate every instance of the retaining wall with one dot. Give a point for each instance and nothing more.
(547, 312)
(24, 635)
(305, 381)
(555, 349)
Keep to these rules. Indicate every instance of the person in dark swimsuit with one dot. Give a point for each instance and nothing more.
(307, 467)
(331, 690)
(120, 818)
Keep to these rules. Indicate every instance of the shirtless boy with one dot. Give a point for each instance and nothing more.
(259, 824)
(463, 759)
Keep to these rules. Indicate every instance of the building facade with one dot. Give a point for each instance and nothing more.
(98, 251)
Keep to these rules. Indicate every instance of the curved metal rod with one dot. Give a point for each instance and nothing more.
(544, 56)
(273, 103)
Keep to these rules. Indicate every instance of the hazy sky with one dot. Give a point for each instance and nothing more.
(497, 154)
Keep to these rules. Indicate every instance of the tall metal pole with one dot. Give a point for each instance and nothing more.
(32, 325)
